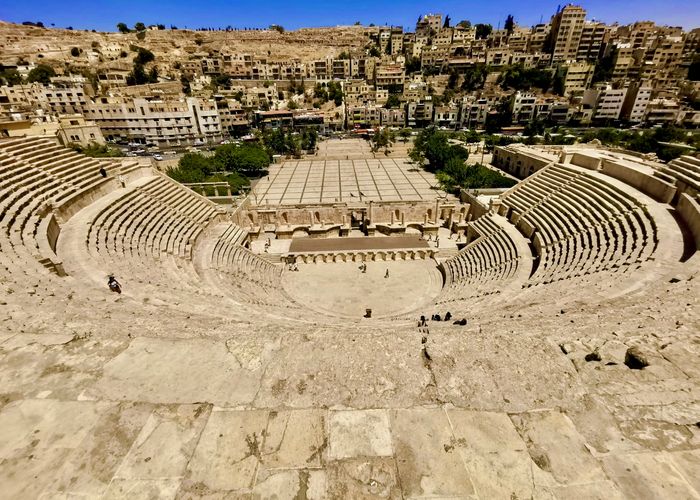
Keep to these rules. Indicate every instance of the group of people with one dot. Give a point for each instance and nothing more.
(292, 266)
(436, 317)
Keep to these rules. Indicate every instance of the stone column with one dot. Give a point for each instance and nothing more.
(403, 222)
(437, 211)
(370, 213)
(392, 217)
(311, 217)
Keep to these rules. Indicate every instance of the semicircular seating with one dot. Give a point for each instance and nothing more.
(579, 224)
(484, 265)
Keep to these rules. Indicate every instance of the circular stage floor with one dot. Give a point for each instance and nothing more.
(342, 289)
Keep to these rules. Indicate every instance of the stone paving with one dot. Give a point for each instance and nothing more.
(329, 181)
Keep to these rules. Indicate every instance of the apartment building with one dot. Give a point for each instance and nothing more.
(419, 114)
(606, 102)
(590, 45)
(389, 75)
(447, 116)
(429, 23)
(635, 105)
(578, 77)
(164, 123)
(567, 29)
(363, 116)
(392, 117)
(524, 107)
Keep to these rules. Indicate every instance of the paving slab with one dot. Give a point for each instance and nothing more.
(429, 466)
(177, 371)
(292, 485)
(496, 456)
(165, 444)
(359, 433)
(365, 477)
(142, 489)
(556, 447)
(648, 475)
(295, 439)
(88, 471)
(228, 453)
(39, 424)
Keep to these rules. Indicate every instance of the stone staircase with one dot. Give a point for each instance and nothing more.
(272, 258)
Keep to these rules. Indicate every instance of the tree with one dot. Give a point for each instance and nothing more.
(405, 133)
(139, 27)
(464, 24)
(509, 24)
(381, 139)
(413, 64)
(123, 28)
(95, 150)
(344, 55)
(75, 51)
(604, 69)
(374, 51)
(309, 138)
(143, 56)
(694, 69)
(452, 80)
(517, 77)
(483, 30)
(447, 22)
(139, 76)
(277, 28)
(475, 77)
(10, 77)
(42, 74)
(185, 82)
(393, 101)
(246, 158)
(433, 146)
(335, 93)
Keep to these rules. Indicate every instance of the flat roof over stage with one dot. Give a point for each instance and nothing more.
(335, 181)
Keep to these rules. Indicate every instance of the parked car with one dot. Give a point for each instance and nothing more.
(158, 157)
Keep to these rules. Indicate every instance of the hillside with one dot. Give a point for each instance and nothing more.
(32, 44)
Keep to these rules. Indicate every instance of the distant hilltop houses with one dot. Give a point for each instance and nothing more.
(175, 87)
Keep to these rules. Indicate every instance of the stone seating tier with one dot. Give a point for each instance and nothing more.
(579, 224)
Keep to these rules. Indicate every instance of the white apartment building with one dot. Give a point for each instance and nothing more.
(608, 102)
(165, 123)
(636, 102)
(524, 107)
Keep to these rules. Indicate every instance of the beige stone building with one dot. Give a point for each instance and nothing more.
(74, 129)
(567, 29)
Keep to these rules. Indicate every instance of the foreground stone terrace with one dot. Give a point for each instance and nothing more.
(130, 406)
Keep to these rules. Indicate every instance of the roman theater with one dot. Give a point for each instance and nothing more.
(273, 347)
